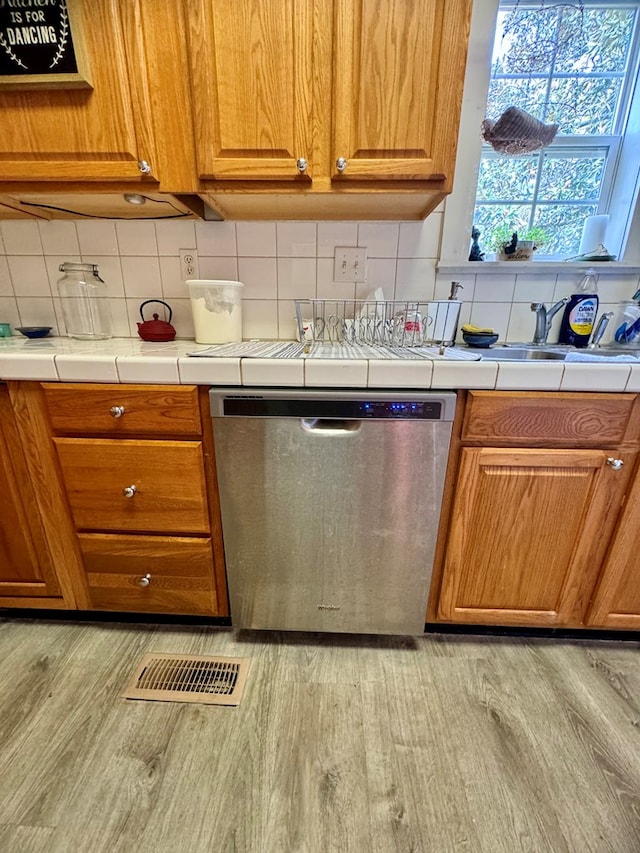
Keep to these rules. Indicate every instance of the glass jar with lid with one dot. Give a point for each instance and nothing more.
(85, 304)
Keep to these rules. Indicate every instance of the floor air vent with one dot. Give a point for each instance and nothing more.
(189, 678)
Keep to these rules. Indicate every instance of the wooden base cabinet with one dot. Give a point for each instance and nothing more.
(616, 603)
(527, 529)
(536, 513)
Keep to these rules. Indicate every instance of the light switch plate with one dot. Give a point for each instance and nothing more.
(350, 264)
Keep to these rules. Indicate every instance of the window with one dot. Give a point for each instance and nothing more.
(573, 65)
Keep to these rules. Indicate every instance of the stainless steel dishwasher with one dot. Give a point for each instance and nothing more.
(330, 505)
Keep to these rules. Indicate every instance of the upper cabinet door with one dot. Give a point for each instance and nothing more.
(57, 134)
(251, 65)
(398, 78)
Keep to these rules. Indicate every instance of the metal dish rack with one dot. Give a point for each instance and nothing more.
(377, 323)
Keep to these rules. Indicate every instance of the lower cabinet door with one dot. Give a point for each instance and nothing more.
(528, 532)
(616, 603)
(149, 574)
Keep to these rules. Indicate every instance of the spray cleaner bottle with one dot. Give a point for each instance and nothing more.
(580, 313)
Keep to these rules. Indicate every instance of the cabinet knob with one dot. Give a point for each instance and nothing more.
(145, 581)
(341, 164)
(129, 491)
(616, 464)
(144, 167)
(301, 165)
(117, 411)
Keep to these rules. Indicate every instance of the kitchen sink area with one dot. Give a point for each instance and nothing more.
(551, 352)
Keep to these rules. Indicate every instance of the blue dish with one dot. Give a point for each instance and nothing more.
(479, 341)
(34, 331)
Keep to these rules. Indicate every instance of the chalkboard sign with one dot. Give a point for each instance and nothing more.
(37, 45)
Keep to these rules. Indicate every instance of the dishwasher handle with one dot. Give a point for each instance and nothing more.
(329, 426)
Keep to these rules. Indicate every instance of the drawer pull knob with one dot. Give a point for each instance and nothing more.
(616, 464)
(145, 581)
(129, 491)
(117, 411)
(341, 164)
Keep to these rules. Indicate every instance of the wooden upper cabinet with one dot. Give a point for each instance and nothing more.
(84, 135)
(251, 69)
(398, 79)
(528, 531)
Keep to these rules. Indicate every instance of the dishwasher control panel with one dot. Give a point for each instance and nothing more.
(399, 410)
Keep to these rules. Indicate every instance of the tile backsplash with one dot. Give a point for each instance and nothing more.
(276, 261)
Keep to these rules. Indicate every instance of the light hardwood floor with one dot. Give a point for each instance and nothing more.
(343, 743)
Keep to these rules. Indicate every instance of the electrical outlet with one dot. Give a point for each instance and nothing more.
(350, 264)
(188, 263)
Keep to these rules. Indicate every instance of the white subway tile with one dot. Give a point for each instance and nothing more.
(90, 367)
(522, 323)
(21, 238)
(137, 238)
(256, 239)
(379, 238)
(541, 376)
(182, 318)
(335, 371)
(37, 311)
(460, 374)
(173, 236)
(465, 293)
(142, 277)
(110, 271)
(259, 318)
(59, 237)
(420, 239)
(617, 288)
(171, 277)
(97, 237)
(219, 269)
(415, 279)
(326, 287)
(272, 371)
(147, 368)
(381, 272)
(287, 324)
(29, 275)
(492, 315)
(296, 278)
(595, 377)
(36, 365)
(332, 234)
(384, 373)
(498, 288)
(119, 318)
(6, 287)
(259, 276)
(534, 288)
(9, 311)
(296, 239)
(210, 371)
(216, 239)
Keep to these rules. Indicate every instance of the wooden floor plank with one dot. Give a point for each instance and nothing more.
(341, 743)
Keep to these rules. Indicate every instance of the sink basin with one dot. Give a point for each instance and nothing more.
(522, 354)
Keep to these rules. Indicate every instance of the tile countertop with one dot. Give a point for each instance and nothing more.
(135, 361)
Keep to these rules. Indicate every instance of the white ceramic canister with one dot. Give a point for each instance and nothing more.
(217, 310)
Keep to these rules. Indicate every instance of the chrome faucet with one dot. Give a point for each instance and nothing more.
(544, 318)
(598, 332)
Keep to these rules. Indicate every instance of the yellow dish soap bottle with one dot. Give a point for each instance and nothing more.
(580, 313)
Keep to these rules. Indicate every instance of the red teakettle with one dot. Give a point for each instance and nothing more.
(156, 330)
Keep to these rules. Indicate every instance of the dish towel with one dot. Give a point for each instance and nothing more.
(587, 356)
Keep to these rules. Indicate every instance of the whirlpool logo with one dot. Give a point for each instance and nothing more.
(329, 606)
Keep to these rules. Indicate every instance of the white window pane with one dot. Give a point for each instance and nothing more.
(512, 178)
(603, 42)
(576, 178)
(563, 223)
(584, 105)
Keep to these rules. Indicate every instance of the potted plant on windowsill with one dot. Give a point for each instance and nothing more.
(510, 244)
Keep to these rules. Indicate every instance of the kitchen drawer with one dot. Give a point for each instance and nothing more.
(169, 410)
(149, 574)
(504, 418)
(167, 478)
